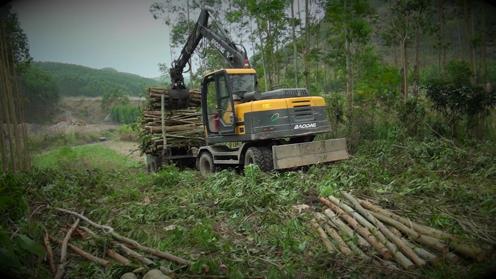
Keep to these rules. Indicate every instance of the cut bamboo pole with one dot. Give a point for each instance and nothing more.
(339, 242)
(467, 250)
(162, 116)
(133, 254)
(421, 252)
(48, 248)
(429, 241)
(86, 255)
(63, 251)
(424, 254)
(118, 257)
(128, 241)
(323, 236)
(345, 228)
(361, 219)
(364, 232)
(401, 244)
(157, 253)
(397, 254)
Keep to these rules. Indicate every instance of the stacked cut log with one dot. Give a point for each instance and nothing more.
(355, 227)
(182, 127)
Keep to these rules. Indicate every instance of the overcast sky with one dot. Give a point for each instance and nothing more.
(121, 34)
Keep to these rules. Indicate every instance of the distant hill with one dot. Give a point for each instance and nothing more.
(77, 80)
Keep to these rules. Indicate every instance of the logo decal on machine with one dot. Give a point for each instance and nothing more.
(305, 126)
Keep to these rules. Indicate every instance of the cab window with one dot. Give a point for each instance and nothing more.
(225, 104)
(212, 111)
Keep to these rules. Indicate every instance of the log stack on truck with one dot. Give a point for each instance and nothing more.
(179, 130)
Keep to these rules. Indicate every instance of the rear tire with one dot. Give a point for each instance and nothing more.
(206, 164)
(260, 156)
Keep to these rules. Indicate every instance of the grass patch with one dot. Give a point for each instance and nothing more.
(45, 141)
(246, 223)
(92, 156)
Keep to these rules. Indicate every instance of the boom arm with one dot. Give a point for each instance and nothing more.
(235, 56)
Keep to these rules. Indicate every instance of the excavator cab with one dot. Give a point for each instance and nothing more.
(221, 91)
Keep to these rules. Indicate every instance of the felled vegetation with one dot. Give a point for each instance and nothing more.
(245, 225)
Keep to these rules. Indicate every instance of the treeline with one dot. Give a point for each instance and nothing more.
(76, 80)
(383, 65)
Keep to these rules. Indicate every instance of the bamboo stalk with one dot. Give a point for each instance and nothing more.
(431, 242)
(63, 251)
(133, 254)
(157, 253)
(85, 254)
(467, 250)
(128, 241)
(424, 254)
(397, 254)
(105, 228)
(118, 257)
(340, 244)
(48, 248)
(323, 236)
(345, 228)
(401, 244)
(364, 232)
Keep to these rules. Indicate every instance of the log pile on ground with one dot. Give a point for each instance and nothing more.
(356, 227)
(120, 250)
(182, 127)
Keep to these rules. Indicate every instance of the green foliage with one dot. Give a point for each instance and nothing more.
(20, 252)
(83, 157)
(16, 38)
(125, 114)
(453, 95)
(40, 92)
(44, 141)
(76, 80)
(111, 99)
(12, 201)
(458, 73)
(412, 115)
(247, 223)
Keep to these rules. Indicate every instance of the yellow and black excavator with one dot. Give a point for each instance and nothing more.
(273, 129)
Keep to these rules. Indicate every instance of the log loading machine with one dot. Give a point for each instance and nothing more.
(273, 129)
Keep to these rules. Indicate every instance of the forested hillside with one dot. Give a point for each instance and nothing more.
(77, 80)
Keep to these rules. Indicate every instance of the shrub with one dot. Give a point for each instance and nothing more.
(125, 114)
(456, 98)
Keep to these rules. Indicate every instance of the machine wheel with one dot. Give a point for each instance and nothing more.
(205, 164)
(260, 156)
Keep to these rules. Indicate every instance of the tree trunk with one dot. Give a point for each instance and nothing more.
(416, 70)
(307, 43)
(8, 105)
(404, 62)
(295, 49)
(473, 57)
(264, 64)
(483, 59)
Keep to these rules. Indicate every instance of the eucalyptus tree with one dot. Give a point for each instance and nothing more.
(349, 21)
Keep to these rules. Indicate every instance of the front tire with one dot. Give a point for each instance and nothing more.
(206, 164)
(260, 156)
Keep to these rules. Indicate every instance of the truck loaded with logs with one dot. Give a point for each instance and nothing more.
(229, 122)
